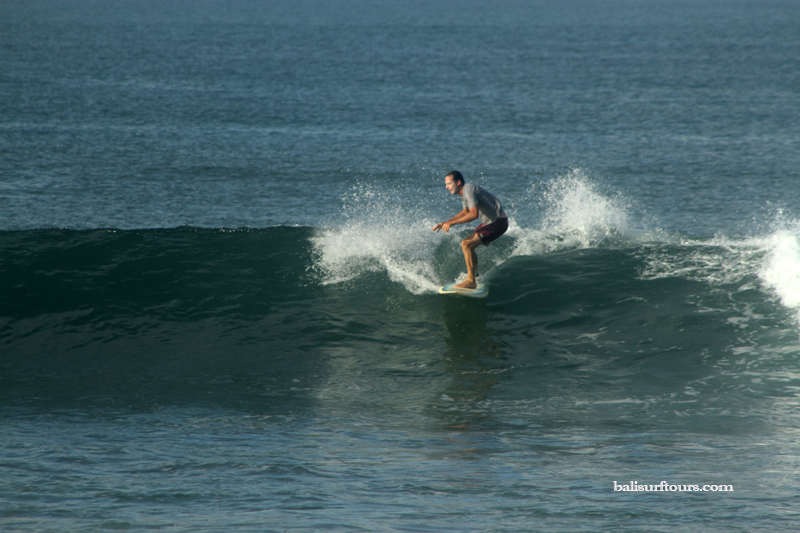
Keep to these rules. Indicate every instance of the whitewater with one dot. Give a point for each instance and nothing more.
(570, 213)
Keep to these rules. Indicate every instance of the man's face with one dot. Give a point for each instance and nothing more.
(451, 185)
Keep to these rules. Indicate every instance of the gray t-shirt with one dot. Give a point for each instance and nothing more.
(489, 208)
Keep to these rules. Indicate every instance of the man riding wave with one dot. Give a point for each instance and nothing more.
(478, 203)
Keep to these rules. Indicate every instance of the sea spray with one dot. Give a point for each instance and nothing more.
(404, 253)
(381, 231)
(574, 203)
(378, 233)
(573, 213)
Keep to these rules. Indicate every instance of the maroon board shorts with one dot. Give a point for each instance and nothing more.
(489, 232)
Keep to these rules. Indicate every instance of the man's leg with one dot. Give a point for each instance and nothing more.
(469, 245)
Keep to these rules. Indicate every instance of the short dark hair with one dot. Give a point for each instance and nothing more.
(456, 175)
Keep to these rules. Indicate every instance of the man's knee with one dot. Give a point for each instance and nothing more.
(470, 243)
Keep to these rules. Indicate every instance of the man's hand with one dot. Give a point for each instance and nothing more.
(442, 225)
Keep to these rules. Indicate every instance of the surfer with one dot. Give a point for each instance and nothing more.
(478, 203)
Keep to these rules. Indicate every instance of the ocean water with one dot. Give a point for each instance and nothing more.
(218, 282)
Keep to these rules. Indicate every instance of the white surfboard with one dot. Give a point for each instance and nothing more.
(481, 291)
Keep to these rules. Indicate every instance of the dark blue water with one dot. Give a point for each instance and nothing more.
(218, 306)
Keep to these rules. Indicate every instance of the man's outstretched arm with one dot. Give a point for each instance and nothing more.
(466, 215)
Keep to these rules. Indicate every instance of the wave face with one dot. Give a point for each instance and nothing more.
(121, 314)
(242, 317)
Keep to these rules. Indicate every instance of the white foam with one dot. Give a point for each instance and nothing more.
(718, 261)
(574, 214)
(378, 235)
(770, 263)
(402, 252)
(780, 269)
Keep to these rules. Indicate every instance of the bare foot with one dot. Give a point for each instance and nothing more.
(466, 285)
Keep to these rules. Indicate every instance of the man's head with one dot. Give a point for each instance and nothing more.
(454, 182)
